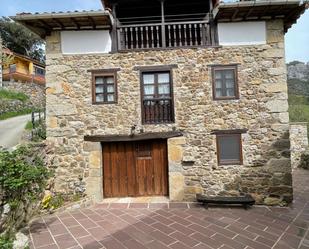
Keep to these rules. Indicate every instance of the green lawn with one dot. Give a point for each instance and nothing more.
(15, 114)
(5, 94)
(299, 108)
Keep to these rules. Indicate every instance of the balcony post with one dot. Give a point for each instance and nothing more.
(163, 24)
(114, 36)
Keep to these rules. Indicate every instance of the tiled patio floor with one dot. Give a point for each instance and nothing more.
(178, 225)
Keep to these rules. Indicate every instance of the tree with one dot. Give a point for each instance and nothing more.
(20, 40)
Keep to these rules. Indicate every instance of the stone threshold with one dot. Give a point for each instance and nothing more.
(148, 205)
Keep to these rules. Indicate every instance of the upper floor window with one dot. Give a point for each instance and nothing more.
(104, 88)
(39, 71)
(225, 85)
(157, 97)
(13, 68)
(229, 149)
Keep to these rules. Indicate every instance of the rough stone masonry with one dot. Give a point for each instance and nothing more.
(262, 109)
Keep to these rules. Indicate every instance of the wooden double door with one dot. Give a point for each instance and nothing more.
(132, 169)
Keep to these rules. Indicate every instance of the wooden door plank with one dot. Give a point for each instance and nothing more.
(107, 180)
(115, 170)
(122, 169)
(131, 169)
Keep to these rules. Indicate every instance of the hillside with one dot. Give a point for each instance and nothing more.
(298, 87)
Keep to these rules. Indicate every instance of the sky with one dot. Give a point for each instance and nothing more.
(296, 40)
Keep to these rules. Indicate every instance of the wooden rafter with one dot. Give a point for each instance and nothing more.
(75, 22)
(92, 21)
(235, 14)
(58, 22)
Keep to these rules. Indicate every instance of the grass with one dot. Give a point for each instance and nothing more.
(6, 94)
(299, 108)
(29, 125)
(15, 114)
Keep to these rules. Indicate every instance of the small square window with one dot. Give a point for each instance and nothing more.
(225, 84)
(229, 149)
(104, 88)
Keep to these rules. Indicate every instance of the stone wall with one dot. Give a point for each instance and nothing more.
(193, 168)
(35, 92)
(299, 142)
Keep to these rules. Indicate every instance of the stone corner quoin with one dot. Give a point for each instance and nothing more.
(262, 109)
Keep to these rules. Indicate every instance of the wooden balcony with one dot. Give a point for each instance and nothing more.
(157, 111)
(166, 35)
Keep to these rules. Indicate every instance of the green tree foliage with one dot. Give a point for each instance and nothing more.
(21, 40)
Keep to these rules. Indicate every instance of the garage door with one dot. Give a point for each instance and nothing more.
(135, 169)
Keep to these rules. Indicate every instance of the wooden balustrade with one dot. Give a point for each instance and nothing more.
(168, 35)
(157, 111)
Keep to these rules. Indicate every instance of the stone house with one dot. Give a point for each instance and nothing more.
(170, 98)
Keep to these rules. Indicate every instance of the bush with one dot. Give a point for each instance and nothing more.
(22, 175)
(6, 242)
(304, 161)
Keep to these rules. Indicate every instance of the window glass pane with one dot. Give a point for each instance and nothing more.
(219, 93)
(230, 92)
(218, 84)
(163, 78)
(99, 89)
(149, 89)
(110, 80)
(229, 74)
(218, 74)
(110, 89)
(229, 148)
(99, 98)
(164, 89)
(229, 83)
(99, 80)
(148, 79)
(110, 97)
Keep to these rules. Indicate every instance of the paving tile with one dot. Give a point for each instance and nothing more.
(158, 205)
(112, 243)
(179, 245)
(69, 222)
(178, 205)
(53, 246)
(119, 205)
(87, 223)
(184, 239)
(228, 241)
(65, 241)
(57, 229)
(42, 239)
(156, 245)
(78, 231)
(256, 245)
(138, 205)
(222, 231)
(165, 239)
(163, 228)
(182, 229)
(207, 240)
(89, 242)
(133, 244)
(98, 233)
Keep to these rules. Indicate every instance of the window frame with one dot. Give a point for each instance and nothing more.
(157, 70)
(104, 74)
(236, 83)
(229, 162)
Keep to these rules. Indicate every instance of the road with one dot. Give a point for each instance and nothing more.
(12, 129)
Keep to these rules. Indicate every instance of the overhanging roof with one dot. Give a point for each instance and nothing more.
(43, 23)
(288, 10)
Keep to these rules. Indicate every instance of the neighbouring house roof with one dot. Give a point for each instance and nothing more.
(44, 23)
(288, 10)
(23, 57)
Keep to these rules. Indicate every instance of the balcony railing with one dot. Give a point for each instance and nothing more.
(156, 111)
(168, 35)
